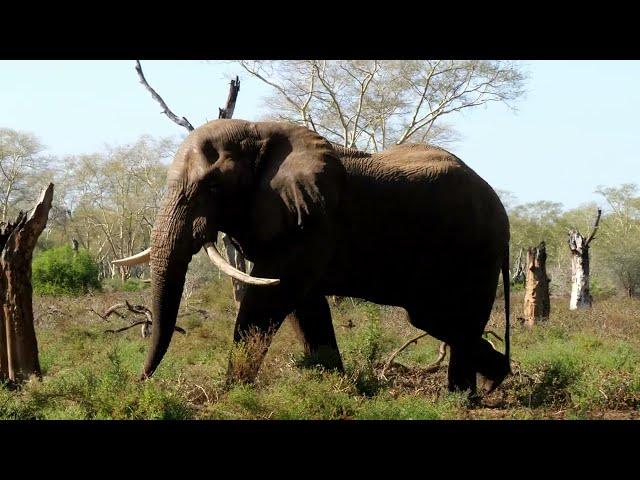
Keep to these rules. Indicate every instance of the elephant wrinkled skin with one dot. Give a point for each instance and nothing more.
(412, 226)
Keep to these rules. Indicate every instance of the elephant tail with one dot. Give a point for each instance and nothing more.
(507, 291)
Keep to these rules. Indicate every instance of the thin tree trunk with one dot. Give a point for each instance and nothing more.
(580, 294)
(235, 258)
(536, 298)
(18, 345)
(238, 261)
(579, 246)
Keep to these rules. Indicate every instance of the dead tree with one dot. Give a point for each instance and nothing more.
(579, 246)
(536, 297)
(234, 256)
(18, 344)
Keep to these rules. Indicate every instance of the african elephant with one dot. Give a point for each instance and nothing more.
(318, 220)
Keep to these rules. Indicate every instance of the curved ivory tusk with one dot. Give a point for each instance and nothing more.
(142, 257)
(224, 266)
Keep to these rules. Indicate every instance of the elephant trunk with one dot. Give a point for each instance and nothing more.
(171, 250)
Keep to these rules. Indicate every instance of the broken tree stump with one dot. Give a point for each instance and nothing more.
(537, 305)
(18, 345)
(579, 246)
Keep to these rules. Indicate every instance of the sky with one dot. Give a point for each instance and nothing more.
(576, 127)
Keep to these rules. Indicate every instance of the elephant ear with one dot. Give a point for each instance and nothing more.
(299, 180)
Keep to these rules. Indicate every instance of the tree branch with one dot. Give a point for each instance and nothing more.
(595, 228)
(334, 100)
(363, 90)
(279, 88)
(137, 309)
(183, 122)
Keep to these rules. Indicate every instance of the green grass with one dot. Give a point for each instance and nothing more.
(576, 365)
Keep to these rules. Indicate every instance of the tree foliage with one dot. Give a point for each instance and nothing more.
(109, 199)
(614, 253)
(374, 104)
(20, 158)
(620, 235)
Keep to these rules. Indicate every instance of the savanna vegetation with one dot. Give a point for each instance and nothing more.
(577, 365)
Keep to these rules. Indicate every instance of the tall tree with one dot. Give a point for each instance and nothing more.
(111, 198)
(373, 104)
(620, 235)
(20, 156)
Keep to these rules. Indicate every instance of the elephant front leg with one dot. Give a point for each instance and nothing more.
(261, 312)
(257, 322)
(298, 265)
(312, 321)
(462, 374)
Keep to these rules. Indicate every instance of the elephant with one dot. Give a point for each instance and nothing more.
(412, 227)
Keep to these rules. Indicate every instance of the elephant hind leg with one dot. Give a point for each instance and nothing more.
(312, 321)
(462, 372)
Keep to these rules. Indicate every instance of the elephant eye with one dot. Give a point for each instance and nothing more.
(210, 152)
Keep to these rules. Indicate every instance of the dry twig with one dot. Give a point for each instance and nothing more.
(137, 309)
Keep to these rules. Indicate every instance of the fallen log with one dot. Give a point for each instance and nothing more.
(137, 309)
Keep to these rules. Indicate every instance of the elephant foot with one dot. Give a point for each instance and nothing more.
(477, 366)
(492, 366)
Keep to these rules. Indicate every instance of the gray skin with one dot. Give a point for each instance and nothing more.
(412, 227)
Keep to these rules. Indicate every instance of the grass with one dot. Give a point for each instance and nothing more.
(576, 365)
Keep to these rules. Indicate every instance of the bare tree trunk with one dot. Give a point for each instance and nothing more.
(580, 294)
(238, 261)
(579, 246)
(235, 258)
(536, 297)
(18, 345)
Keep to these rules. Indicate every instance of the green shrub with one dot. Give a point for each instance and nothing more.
(600, 289)
(129, 285)
(63, 271)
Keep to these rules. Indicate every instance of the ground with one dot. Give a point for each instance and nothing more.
(577, 365)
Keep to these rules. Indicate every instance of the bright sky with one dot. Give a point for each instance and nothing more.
(576, 128)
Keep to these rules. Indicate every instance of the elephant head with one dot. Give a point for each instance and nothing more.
(254, 181)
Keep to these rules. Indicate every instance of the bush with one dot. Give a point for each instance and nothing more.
(130, 285)
(62, 271)
(600, 289)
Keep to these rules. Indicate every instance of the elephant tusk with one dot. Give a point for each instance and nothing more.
(224, 266)
(142, 257)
